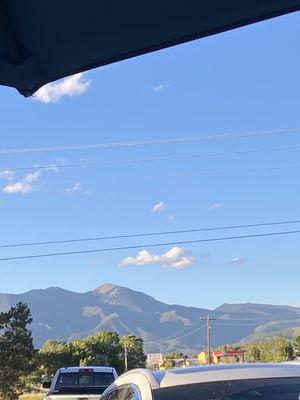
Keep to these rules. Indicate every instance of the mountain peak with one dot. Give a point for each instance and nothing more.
(105, 288)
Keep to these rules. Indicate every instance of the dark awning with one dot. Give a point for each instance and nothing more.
(44, 40)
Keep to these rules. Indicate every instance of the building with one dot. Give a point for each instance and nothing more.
(223, 357)
(228, 356)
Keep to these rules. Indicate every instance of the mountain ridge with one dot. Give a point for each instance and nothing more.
(62, 314)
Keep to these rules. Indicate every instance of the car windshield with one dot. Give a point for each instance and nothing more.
(83, 382)
(250, 389)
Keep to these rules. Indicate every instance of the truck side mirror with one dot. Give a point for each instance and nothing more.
(46, 385)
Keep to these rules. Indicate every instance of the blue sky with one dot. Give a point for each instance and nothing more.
(245, 80)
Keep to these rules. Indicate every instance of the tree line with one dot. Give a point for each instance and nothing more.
(275, 348)
(21, 365)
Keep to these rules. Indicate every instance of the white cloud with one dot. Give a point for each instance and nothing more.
(176, 257)
(31, 177)
(52, 168)
(161, 206)
(7, 174)
(75, 188)
(18, 187)
(72, 86)
(171, 218)
(215, 206)
(160, 87)
(24, 185)
(236, 261)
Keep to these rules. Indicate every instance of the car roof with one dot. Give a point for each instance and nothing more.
(95, 369)
(202, 374)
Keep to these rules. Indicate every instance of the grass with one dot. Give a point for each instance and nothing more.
(32, 397)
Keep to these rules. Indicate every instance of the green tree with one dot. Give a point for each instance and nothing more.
(54, 355)
(135, 351)
(176, 355)
(253, 351)
(168, 363)
(106, 349)
(228, 347)
(17, 353)
(81, 352)
(289, 351)
(276, 349)
(296, 346)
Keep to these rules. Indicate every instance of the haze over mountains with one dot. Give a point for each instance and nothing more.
(64, 315)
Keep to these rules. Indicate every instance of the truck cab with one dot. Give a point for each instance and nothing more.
(80, 383)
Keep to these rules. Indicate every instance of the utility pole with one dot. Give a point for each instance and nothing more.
(208, 320)
(208, 335)
(126, 357)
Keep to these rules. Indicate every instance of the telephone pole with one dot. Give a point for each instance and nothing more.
(126, 357)
(208, 320)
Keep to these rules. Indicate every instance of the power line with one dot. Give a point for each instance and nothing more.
(67, 253)
(137, 235)
(219, 321)
(262, 319)
(268, 317)
(173, 335)
(294, 320)
(149, 159)
(145, 142)
(279, 313)
(185, 174)
(177, 337)
(189, 333)
(222, 321)
(222, 171)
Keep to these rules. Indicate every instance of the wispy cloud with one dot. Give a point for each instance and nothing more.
(235, 261)
(215, 206)
(32, 177)
(176, 257)
(74, 188)
(17, 187)
(161, 206)
(53, 168)
(72, 86)
(171, 218)
(7, 174)
(78, 188)
(24, 185)
(160, 87)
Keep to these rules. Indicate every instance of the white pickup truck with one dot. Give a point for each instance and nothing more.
(79, 383)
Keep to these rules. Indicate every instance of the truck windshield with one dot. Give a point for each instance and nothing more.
(83, 382)
(242, 389)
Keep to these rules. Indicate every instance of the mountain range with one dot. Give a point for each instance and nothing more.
(65, 315)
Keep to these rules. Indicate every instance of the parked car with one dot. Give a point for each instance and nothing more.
(226, 382)
(80, 383)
